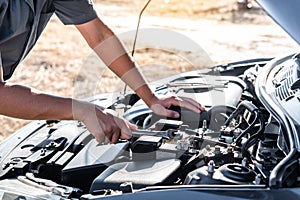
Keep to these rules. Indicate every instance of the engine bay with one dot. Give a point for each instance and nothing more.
(236, 141)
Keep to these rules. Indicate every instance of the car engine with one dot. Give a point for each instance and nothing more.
(237, 140)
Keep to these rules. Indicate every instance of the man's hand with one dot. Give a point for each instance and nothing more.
(161, 106)
(103, 124)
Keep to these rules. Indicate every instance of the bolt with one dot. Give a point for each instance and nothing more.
(204, 126)
(257, 179)
(211, 166)
(217, 150)
(244, 162)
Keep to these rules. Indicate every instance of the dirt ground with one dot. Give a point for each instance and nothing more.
(62, 64)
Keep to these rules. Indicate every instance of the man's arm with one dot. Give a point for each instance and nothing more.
(22, 102)
(107, 46)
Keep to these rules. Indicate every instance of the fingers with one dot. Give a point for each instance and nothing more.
(185, 104)
(105, 134)
(114, 131)
(172, 114)
(125, 129)
(162, 106)
(131, 126)
(189, 104)
(115, 137)
(162, 110)
(120, 130)
(106, 126)
(194, 103)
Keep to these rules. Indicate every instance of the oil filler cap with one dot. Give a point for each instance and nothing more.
(238, 172)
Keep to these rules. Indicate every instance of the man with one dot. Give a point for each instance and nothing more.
(22, 22)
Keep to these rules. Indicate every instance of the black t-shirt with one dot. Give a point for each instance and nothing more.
(22, 22)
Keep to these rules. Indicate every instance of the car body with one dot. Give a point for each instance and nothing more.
(244, 146)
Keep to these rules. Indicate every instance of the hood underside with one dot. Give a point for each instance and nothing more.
(285, 13)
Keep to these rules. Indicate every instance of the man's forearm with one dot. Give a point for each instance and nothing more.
(112, 52)
(21, 102)
(131, 75)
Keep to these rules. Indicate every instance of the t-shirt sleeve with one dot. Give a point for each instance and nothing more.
(74, 11)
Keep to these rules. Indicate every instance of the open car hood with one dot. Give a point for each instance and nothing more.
(285, 13)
